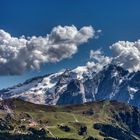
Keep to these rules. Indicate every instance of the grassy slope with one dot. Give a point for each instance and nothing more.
(72, 116)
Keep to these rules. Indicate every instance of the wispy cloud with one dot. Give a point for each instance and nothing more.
(98, 60)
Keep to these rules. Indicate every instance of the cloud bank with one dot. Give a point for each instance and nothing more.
(25, 53)
(20, 54)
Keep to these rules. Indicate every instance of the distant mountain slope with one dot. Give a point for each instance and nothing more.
(91, 121)
(79, 85)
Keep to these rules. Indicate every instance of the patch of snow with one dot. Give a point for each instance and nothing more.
(82, 90)
(132, 89)
(23, 88)
(114, 74)
(62, 88)
(131, 96)
(80, 71)
(120, 81)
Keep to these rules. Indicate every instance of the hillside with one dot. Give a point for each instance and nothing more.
(99, 120)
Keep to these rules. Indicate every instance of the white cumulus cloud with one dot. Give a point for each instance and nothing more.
(127, 55)
(20, 54)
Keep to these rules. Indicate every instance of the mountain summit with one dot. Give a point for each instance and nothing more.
(79, 85)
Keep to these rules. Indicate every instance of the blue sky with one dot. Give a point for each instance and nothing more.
(118, 20)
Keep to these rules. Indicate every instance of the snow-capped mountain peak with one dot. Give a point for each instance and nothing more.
(78, 86)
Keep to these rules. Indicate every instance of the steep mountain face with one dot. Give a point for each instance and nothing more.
(78, 86)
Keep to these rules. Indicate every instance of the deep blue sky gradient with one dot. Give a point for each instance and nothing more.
(118, 20)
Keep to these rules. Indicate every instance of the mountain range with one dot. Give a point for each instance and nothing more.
(79, 85)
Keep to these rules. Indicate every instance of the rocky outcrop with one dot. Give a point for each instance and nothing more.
(113, 131)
